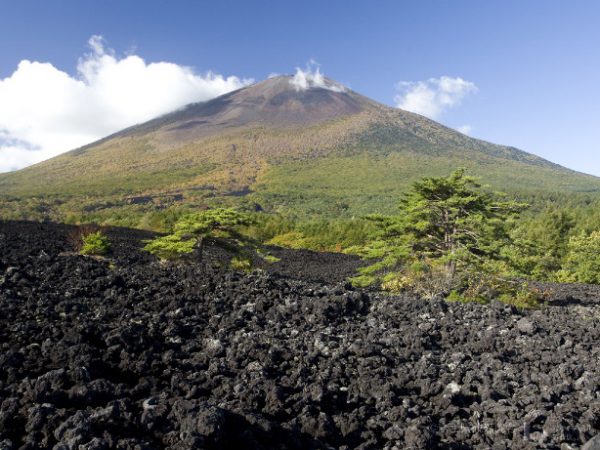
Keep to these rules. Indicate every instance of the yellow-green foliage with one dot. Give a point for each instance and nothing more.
(428, 279)
(525, 296)
(363, 280)
(95, 243)
(192, 231)
(171, 246)
(317, 233)
(294, 240)
(395, 282)
(432, 280)
(241, 264)
(271, 259)
(206, 222)
(540, 243)
(582, 263)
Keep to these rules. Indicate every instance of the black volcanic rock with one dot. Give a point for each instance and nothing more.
(133, 354)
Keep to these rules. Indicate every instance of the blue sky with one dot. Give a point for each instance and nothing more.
(534, 66)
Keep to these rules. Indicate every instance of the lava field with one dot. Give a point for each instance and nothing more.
(126, 352)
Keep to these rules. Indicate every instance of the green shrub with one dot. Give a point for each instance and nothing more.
(95, 243)
(524, 296)
(430, 279)
(294, 240)
(362, 281)
(455, 296)
(170, 247)
(271, 259)
(241, 264)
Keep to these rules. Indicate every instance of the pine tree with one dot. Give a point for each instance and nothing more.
(193, 231)
(452, 219)
(447, 235)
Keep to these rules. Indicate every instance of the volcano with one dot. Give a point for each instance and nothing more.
(284, 144)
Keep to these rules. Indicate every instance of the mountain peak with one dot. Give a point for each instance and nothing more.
(301, 87)
(300, 139)
(303, 81)
(280, 101)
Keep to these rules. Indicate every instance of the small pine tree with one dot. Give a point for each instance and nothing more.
(193, 231)
(95, 243)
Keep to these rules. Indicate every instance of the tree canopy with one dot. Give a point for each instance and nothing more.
(452, 218)
(447, 232)
(192, 232)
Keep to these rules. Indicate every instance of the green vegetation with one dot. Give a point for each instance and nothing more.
(371, 182)
(318, 234)
(447, 240)
(329, 180)
(241, 264)
(95, 243)
(450, 238)
(558, 243)
(541, 243)
(196, 230)
(172, 246)
(582, 260)
(495, 241)
(271, 259)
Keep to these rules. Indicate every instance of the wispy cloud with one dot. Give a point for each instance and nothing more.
(44, 111)
(465, 129)
(434, 96)
(311, 77)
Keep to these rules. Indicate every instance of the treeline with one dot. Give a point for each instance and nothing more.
(450, 237)
(554, 239)
(558, 243)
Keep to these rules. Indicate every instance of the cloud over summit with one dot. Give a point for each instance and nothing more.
(45, 111)
(311, 77)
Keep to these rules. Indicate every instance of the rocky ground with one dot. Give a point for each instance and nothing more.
(128, 353)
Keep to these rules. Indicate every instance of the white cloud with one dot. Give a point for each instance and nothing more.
(312, 77)
(434, 96)
(45, 111)
(465, 129)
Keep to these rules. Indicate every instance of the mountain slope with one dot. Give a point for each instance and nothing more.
(321, 149)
